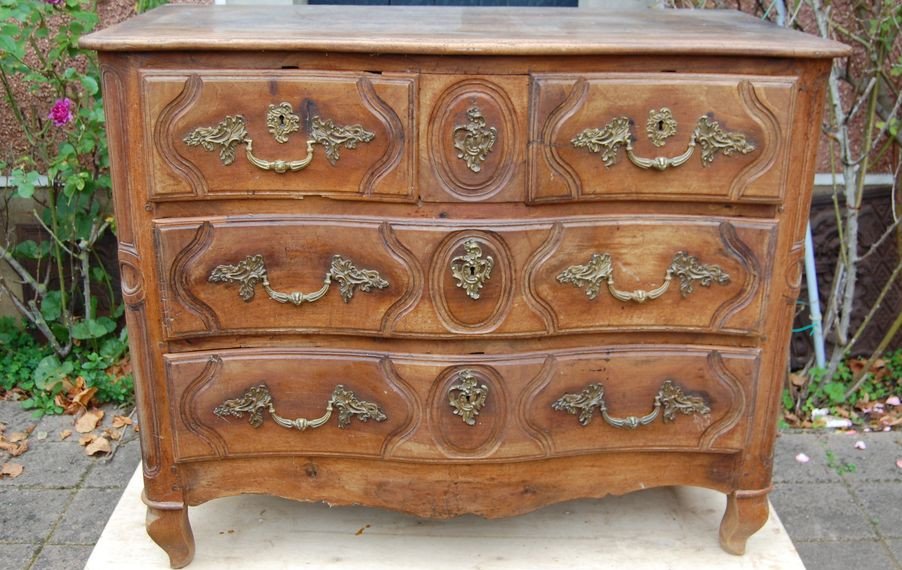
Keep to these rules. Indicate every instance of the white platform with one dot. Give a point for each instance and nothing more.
(672, 528)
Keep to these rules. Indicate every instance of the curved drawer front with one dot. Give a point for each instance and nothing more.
(502, 278)
(279, 133)
(459, 408)
(231, 404)
(660, 137)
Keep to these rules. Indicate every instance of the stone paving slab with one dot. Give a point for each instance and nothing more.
(115, 472)
(29, 515)
(864, 555)
(86, 516)
(50, 465)
(788, 470)
(825, 512)
(877, 462)
(16, 556)
(895, 548)
(883, 504)
(60, 557)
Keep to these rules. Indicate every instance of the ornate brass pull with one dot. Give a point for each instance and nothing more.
(471, 270)
(466, 398)
(600, 269)
(670, 397)
(474, 141)
(617, 134)
(281, 121)
(258, 399)
(251, 270)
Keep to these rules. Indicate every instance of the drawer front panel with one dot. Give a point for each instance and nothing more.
(201, 126)
(600, 136)
(459, 408)
(503, 278)
(219, 408)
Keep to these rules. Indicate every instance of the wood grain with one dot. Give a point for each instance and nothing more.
(405, 205)
(452, 30)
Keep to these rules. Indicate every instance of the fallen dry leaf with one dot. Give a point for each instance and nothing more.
(802, 458)
(892, 401)
(65, 434)
(121, 421)
(798, 380)
(11, 470)
(99, 445)
(113, 433)
(14, 449)
(17, 436)
(88, 421)
(86, 439)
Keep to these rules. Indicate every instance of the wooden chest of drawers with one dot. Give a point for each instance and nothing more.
(454, 261)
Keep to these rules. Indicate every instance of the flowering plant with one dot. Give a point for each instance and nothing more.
(60, 175)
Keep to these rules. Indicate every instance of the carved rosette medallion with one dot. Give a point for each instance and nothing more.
(474, 140)
(472, 270)
(466, 397)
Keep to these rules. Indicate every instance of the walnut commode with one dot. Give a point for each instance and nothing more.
(451, 261)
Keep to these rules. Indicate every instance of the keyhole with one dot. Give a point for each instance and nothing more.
(282, 121)
(661, 125)
(472, 271)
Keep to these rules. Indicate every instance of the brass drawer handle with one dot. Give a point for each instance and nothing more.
(258, 399)
(600, 269)
(670, 397)
(232, 131)
(618, 134)
(251, 270)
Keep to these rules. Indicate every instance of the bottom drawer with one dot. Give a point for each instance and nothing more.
(429, 408)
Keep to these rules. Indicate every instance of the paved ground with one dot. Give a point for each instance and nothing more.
(843, 508)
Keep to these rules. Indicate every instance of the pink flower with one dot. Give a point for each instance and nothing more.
(54, 2)
(61, 112)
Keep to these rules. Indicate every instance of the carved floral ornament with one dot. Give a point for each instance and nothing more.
(281, 122)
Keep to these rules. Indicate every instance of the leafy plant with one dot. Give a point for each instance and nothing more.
(841, 466)
(63, 177)
(51, 385)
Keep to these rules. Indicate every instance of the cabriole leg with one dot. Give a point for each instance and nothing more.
(746, 513)
(170, 529)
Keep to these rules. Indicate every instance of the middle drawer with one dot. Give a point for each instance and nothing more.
(409, 278)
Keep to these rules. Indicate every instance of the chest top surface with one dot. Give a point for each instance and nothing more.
(459, 31)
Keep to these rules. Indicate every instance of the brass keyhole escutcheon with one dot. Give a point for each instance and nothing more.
(472, 270)
(660, 126)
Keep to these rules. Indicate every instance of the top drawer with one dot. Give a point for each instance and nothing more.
(659, 137)
(279, 133)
